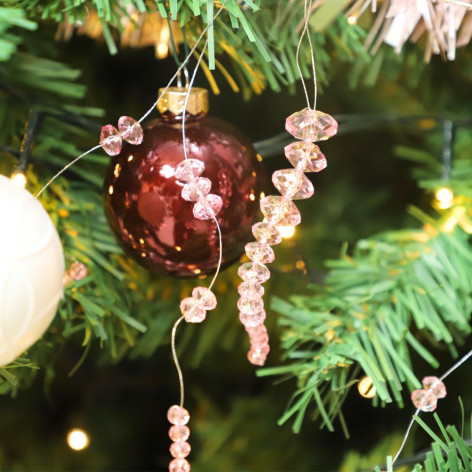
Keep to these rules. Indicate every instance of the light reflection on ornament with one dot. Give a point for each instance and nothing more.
(366, 387)
(78, 439)
(444, 198)
(286, 231)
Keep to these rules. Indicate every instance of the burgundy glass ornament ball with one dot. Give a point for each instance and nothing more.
(143, 199)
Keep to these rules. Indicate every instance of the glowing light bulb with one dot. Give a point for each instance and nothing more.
(444, 198)
(286, 231)
(366, 387)
(19, 178)
(78, 439)
(352, 20)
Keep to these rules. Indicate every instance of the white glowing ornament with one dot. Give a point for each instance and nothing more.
(31, 270)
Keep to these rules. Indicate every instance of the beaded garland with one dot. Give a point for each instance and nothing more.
(308, 126)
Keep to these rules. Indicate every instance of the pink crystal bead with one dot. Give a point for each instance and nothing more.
(130, 130)
(180, 449)
(77, 271)
(435, 386)
(207, 207)
(205, 296)
(250, 306)
(257, 331)
(280, 211)
(424, 400)
(311, 125)
(193, 310)
(179, 465)
(189, 169)
(178, 415)
(196, 188)
(259, 339)
(179, 433)
(305, 156)
(259, 252)
(267, 233)
(254, 320)
(256, 357)
(250, 289)
(254, 272)
(293, 183)
(263, 348)
(110, 140)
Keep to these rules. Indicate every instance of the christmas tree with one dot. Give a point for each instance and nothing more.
(368, 295)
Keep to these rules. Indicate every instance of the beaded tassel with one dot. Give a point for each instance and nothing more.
(308, 126)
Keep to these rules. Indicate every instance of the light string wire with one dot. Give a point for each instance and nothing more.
(150, 110)
(412, 421)
(220, 239)
(305, 31)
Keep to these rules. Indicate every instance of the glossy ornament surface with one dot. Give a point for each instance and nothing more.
(143, 197)
(31, 270)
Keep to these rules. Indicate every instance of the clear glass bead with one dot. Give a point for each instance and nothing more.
(179, 465)
(196, 189)
(207, 207)
(110, 140)
(205, 296)
(311, 125)
(280, 211)
(193, 310)
(254, 320)
(178, 415)
(250, 289)
(267, 233)
(189, 169)
(180, 449)
(293, 183)
(254, 272)
(130, 130)
(259, 252)
(250, 306)
(179, 433)
(305, 156)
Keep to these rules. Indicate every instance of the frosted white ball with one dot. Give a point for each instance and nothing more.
(31, 270)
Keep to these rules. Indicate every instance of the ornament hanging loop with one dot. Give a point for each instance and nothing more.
(179, 77)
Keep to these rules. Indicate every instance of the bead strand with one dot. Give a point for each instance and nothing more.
(111, 139)
(305, 156)
(179, 433)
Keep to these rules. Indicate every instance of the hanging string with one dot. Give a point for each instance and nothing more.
(151, 109)
(176, 360)
(305, 31)
(412, 421)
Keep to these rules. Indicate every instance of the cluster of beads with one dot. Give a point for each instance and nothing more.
(426, 398)
(111, 139)
(194, 308)
(305, 156)
(197, 189)
(179, 433)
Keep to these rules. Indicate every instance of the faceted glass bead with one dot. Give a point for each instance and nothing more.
(180, 449)
(179, 433)
(257, 331)
(196, 188)
(130, 130)
(251, 321)
(435, 386)
(250, 306)
(179, 465)
(189, 169)
(110, 140)
(264, 348)
(207, 207)
(293, 183)
(256, 358)
(424, 400)
(259, 339)
(259, 252)
(250, 289)
(178, 415)
(305, 156)
(311, 125)
(280, 211)
(267, 233)
(254, 272)
(193, 310)
(77, 271)
(205, 296)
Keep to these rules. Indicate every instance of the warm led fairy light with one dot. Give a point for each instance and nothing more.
(444, 198)
(78, 439)
(19, 179)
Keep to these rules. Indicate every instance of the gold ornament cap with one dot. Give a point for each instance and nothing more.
(174, 99)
